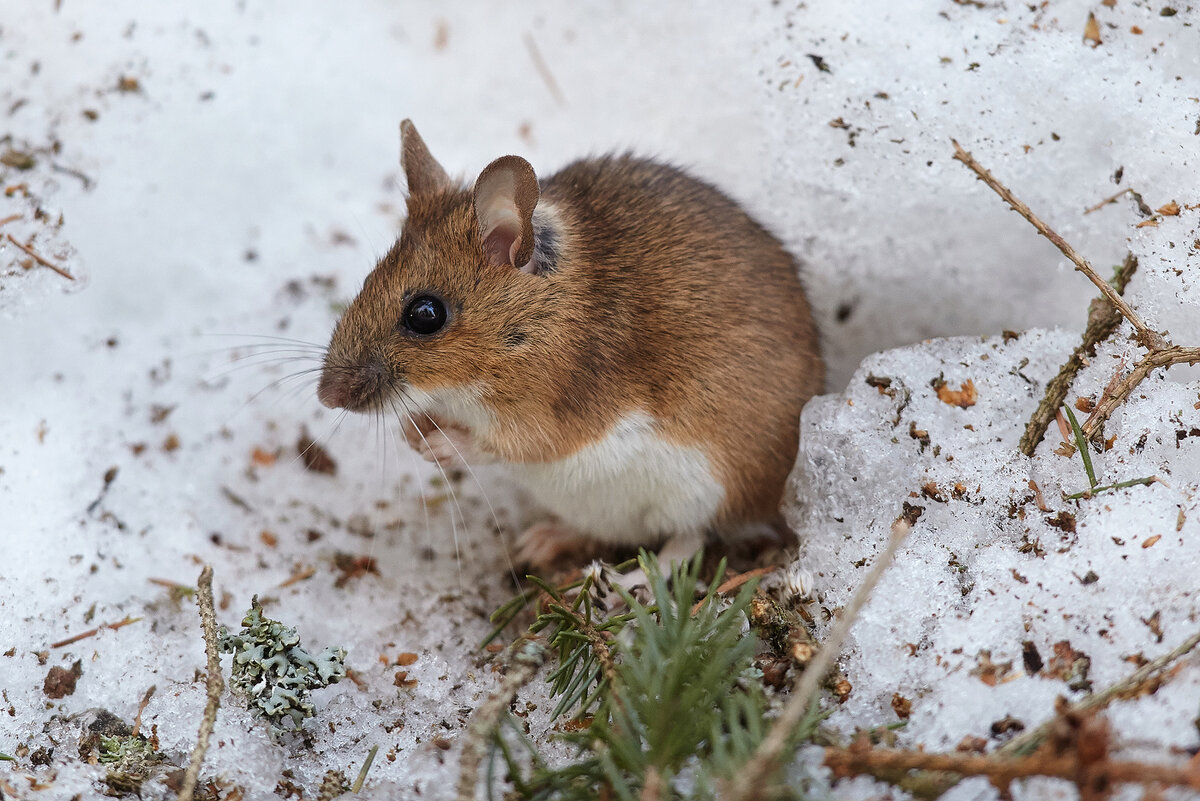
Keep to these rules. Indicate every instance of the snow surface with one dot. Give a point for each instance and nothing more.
(242, 188)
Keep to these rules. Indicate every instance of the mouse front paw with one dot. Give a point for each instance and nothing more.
(448, 445)
(546, 545)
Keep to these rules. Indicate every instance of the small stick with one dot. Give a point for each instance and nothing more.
(362, 774)
(1151, 339)
(137, 721)
(9, 218)
(93, 632)
(528, 656)
(1119, 485)
(748, 783)
(300, 575)
(40, 260)
(539, 63)
(1107, 200)
(1166, 357)
(736, 582)
(215, 683)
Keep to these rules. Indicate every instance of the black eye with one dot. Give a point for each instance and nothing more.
(424, 315)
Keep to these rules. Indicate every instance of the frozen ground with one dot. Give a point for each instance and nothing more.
(228, 173)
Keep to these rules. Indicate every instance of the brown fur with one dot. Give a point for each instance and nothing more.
(665, 298)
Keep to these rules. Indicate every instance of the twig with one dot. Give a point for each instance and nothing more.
(735, 583)
(40, 260)
(137, 720)
(1165, 357)
(362, 774)
(215, 683)
(1103, 320)
(87, 182)
(1151, 339)
(543, 69)
(1107, 200)
(93, 632)
(748, 783)
(10, 218)
(528, 656)
(1087, 493)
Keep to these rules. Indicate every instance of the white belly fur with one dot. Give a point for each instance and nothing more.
(629, 487)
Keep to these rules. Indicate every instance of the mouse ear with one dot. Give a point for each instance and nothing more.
(425, 176)
(505, 194)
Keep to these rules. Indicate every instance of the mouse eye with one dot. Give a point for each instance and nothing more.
(424, 315)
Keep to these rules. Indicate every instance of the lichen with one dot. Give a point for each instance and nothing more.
(274, 673)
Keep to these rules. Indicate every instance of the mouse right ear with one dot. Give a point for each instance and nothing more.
(425, 176)
(505, 195)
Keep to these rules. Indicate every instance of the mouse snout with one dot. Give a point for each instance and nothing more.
(352, 387)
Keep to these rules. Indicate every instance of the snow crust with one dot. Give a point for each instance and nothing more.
(246, 180)
(987, 576)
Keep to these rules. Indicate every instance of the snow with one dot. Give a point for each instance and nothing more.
(246, 183)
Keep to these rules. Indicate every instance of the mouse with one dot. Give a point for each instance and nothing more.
(621, 337)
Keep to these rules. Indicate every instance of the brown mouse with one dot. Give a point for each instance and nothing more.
(623, 337)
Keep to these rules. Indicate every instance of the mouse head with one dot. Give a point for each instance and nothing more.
(451, 308)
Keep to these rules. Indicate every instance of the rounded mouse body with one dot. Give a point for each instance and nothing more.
(623, 336)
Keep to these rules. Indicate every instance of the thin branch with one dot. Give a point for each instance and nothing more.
(137, 720)
(1165, 357)
(215, 683)
(1103, 321)
(1151, 339)
(748, 784)
(1107, 200)
(1088, 493)
(93, 632)
(32, 254)
(528, 656)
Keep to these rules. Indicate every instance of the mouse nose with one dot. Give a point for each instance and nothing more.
(333, 391)
(351, 387)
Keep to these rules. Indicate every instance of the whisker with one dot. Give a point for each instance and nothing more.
(453, 498)
(416, 473)
(512, 571)
(265, 336)
(246, 365)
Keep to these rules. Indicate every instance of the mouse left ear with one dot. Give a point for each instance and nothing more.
(505, 195)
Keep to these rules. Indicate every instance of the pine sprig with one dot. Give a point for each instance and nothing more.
(679, 707)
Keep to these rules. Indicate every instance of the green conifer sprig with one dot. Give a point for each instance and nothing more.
(679, 707)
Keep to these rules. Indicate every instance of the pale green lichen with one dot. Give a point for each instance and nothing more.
(274, 673)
